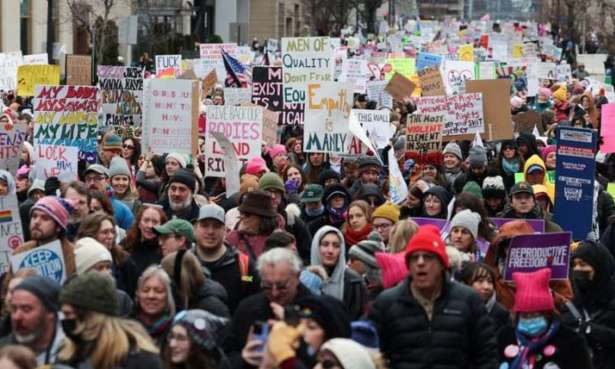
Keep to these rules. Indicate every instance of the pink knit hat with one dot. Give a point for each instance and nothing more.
(57, 208)
(533, 294)
(277, 150)
(393, 268)
(543, 91)
(546, 151)
(256, 166)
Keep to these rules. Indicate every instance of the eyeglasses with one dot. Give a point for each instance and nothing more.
(381, 226)
(129, 147)
(278, 286)
(94, 179)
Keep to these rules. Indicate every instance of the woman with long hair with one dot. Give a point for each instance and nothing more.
(95, 335)
(294, 181)
(131, 151)
(120, 179)
(154, 303)
(358, 224)
(141, 241)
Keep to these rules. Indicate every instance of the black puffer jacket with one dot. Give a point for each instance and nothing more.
(213, 298)
(460, 334)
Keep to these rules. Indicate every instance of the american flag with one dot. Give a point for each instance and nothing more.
(237, 75)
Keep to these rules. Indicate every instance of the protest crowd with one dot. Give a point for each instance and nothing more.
(438, 196)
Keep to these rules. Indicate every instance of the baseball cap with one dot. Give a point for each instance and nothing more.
(521, 187)
(97, 168)
(211, 211)
(176, 226)
(535, 168)
(312, 193)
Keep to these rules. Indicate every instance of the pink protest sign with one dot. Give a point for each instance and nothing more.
(608, 128)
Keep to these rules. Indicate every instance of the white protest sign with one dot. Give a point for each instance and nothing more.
(231, 164)
(304, 60)
(236, 96)
(211, 58)
(499, 51)
(376, 92)
(461, 114)
(170, 113)
(361, 134)
(456, 73)
(56, 161)
(563, 72)
(398, 189)
(357, 72)
(542, 70)
(376, 124)
(241, 125)
(165, 62)
(47, 260)
(11, 235)
(12, 136)
(36, 59)
(8, 69)
(486, 70)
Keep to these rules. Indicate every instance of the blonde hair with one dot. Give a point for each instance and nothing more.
(115, 338)
(400, 234)
(191, 278)
(161, 274)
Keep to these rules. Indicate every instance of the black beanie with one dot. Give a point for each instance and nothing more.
(184, 176)
(45, 289)
(329, 313)
(92, 291)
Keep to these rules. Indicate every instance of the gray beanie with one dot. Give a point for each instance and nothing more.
(45, 289)
(453, 148)
(366, 250)
(477, 157)
(467, 219)
(118, 167)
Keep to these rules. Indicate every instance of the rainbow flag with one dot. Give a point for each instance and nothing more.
(5, 216)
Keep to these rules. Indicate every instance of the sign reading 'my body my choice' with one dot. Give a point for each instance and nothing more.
(305, 59)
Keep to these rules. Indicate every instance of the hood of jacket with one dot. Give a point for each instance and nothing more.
(537, 160)
(10, 182)
(334, 286)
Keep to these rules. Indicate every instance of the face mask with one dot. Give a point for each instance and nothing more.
(532, 327)
(314, 212)
(581, 279)
(69, 326)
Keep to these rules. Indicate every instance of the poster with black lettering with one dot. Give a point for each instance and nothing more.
(531, 252)
(267, 92)
(120, 94)
(11, 234)
(424, 133)
(462, 113)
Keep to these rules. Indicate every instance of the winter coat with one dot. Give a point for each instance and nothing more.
(536, 213)
(343, 283)
(606, 209)
(190, 214)
(122, 214)
(562, 111)
(570, 350)
(459, 335)
(134, 360)
(251, 245)
(146, 254)
(536, 160)
(211, 297)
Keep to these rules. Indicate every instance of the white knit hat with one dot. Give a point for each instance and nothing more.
(493, 183)
(350, 354)
(89, 252)
(468, 220)
(180, 158)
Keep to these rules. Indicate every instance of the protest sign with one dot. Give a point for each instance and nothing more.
(376, 92)
(170, 115)
(526, 121)
(327, 110)
(496, 107)
(169, 62)
(404, 66)
(231, 164)
(78, 70)
(461, 114)
(29, 76)
(517, 50)
(242, 126)
(537, 224)
(563, 72)
(36, 59)
(267, 87)
(56, 161)
(270, 127)
(424, 133)
(8, 69)
(236, 96)
(421, 221)
(574, 180)
(376, 124)
(531, 252)
(121, 92)
(499, 51)
(424, 60)
(305, 60)
(209, 82)
(66, 116)
(466, 52)
(47, 260)
(12, 136)
(360, 143)
(398, 189)
(211, 58)
(542, 70)
(400, 87)
(608, 128)
(455, 74)
(431, 82)
(486, 70)
(11, 231)
(356, 72)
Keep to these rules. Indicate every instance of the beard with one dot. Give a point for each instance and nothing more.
(29, 338)
(178, 206)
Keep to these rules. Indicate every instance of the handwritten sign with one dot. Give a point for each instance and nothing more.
(404, 66)
(424, 60)
(466, 52)
(211, 58)
(456, 73)
(431, 82)
(236, 96)
(267, 87)
(305, 60)
(376, 124)
(12, 136)
(542, 70)
(8, 69)
(327, 111)
(36, 59)
(78, 70)
(11, 231)
(376, 92)
(356, 72)
(47, 260)
(529, 253)
(56, 161)
(241, 125)
(30, 76)
(486, 70)
(424, 133)
(461, 114)
(121, 94)
(169, 62)
(270, 127)
(66, 116)
(170, 115)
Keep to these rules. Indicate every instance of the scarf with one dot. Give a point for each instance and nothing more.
(337, 217)
(490, 303)
(511, 167)
(353, 237)
(532, 346)
(160, 327)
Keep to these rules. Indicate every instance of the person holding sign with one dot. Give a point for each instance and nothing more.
(539, 340)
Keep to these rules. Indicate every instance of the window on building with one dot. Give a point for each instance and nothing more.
(25, 14)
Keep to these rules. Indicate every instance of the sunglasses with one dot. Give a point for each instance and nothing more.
(130, 147)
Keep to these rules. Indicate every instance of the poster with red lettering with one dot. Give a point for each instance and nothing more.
(242, 125)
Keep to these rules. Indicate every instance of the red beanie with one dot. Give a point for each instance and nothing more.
(428, 239)
(533, 294)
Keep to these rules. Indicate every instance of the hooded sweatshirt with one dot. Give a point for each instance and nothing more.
(10, 182)
(536, 160)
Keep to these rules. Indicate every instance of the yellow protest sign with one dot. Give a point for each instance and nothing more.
(517, 50)
(404, 66)
(466, 52)
(29, 76)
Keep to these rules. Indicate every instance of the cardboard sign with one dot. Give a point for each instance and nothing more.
(376, 92)
(121, 96)
(166, 62)
(531, 252)
(12, 136)
(456, 73)
(11, 231)
(67, 116)
(431, 82)
(327, 111)
(56, 161)
(30, 76)
(270, 127)
(170, 115)
(400, 87)
(461, 114)
(305, 60)
(376, 124)
(209, 82)
(36, 59)
(574, 180)
(242, 126)
(78, 70)
(404, 66)
(424, 60)
(526, 121)
(496, 108)
(47, 260)
(424, 133)
(237, 96)
(8, 70)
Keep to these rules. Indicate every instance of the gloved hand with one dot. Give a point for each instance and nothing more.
(292, 186)
(283, 341)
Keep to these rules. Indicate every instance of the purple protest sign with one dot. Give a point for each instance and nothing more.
(440, 223)
(528, 253)
(537, 224)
